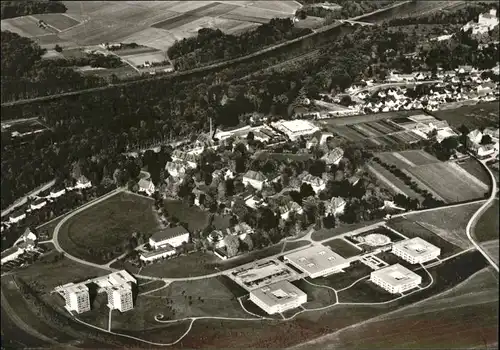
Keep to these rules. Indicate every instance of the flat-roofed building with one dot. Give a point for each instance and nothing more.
(164, 252)
(295, 128)
(395, 279)
(174, 236)
(416, 250)
(120, 298)
(278, 297)
(317, 261)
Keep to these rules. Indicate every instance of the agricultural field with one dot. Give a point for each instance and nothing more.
(107, 225)
(473, 167)
(474, 116)
(391, 182)
(448, 223)
(465, 316)
(152, 23)
(487, 227)
(447, 181)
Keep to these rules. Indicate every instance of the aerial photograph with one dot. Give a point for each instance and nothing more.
(308, 175)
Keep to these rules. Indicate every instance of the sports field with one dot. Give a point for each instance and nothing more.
(106, 226)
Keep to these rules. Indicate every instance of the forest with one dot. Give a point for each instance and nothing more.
(211, 45)
(11, 9)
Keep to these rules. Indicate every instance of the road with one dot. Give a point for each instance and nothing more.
(22, 200)
(477, 214)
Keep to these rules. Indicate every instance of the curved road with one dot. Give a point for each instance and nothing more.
(472, 221)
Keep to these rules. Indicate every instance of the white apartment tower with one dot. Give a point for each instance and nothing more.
(77, 298)
(120, 298)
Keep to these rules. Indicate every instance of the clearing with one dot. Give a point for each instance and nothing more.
(104, 228)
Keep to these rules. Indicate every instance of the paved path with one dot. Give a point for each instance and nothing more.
(477, 214)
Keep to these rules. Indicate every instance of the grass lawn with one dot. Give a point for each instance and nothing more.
(106, 226)
(341, 229)
(344, 279)
(99, 312)
(487, 227)
(44, 277)
(380, 230)
(48, 228)
(343, 248)
(195, 218)
(234, 287)
(448, 223)
(475, 116)
(316, 296)
(145, 286)
(411, 228)
(365, 292)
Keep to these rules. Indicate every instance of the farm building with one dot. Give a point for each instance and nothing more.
(278, 297)
(295, 128)
(416, 250)
(255, 179)
(147, 186)
(161, 253)
(317, 261)
(174, 236)
(395, 279)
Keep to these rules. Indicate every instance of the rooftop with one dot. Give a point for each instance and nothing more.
(254, 175)
(75, 288)
(395, 275)
(415, 246)
(9, 251)
(281, 292)
(167, 248)
(114, 279)
(168, 233)
(316, 259)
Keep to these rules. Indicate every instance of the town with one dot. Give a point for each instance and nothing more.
(347, 199)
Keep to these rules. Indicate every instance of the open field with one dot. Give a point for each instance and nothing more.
(343, 248)
(141, 58)
(465, 316)
(411, 228)
(487, 227)
(341, 229)
(44, 277)
(448, 183)
(342, 280)
(153, 23)
(57, 20)
(394, 237)
(407, 159)
(107, 225)
(492, 249)
(195, 218)
(316, 296)
(449, 223)
(474, 168)
(475, 116)
(367, 118)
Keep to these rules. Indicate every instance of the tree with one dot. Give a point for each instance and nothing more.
(249, 242)
(58, 48)
(132, 185)
(306, 190)
(232, 245)
(486, 140)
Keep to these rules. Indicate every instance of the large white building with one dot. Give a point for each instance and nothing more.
(317, 261)
(295, 128)
(161, 253)
(278, 297)
(173, 236)
(77, 297)
(117, 285)
(416, 250)
(395, 279)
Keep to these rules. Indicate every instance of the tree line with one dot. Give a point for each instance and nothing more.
(10, 9)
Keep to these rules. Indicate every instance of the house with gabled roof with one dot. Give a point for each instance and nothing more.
(335, 206)
(17, 215)
(255, 179)
(190, 159)
(147, 186)
(318, 139)
(27, 236)
(334, 156)
(11, 254)
(316, 183)
(176, 169)
(288, 208)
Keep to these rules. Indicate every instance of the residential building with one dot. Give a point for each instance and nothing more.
(334, 156)
(173, 236)
(57, 193)
(189, 158)
(318, 139)
(120, 298)
(77, 297)
(38, 204)
(17, 215)
(288, 208)
(11, 254)
(147, 186)
(395, 279)
(317, 183)
(176, 169)
(278, 297)
(82, 183)
(335, 206)
(416, 250)
(255, 179)
(28, 235)
(294, 129)
(317, 261)
(161, 253)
